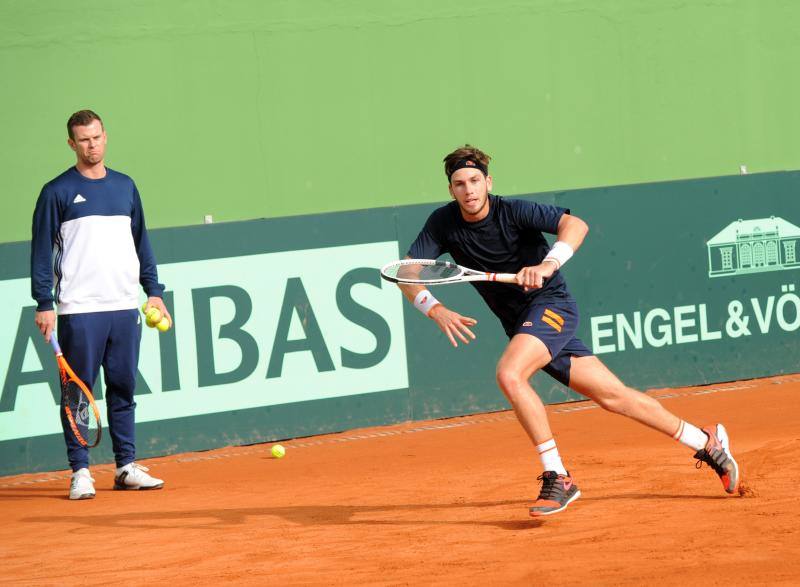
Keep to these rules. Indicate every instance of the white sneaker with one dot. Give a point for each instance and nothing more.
(82, 485)
(133, 476)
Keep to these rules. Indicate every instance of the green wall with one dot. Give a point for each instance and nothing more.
(249, 108)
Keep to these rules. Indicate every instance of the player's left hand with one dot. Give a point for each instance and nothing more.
(453, 324)
(533, 277)
(156, 302)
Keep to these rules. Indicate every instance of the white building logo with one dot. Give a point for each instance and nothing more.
(754, 246)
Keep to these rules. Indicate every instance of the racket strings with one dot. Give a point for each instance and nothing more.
(418, 271)
(78, 404)
(80, 411)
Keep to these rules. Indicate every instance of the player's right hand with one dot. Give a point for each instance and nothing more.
(453, 324)
(46, 323)
(533, 277)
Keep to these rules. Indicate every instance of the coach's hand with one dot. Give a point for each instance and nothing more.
(453, 324)
(156, 302)
(46, 323)
(533, 277)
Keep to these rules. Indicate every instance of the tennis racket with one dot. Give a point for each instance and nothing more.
(430, 272)
(78, 402)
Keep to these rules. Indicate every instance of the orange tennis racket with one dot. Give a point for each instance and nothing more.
(77, 402)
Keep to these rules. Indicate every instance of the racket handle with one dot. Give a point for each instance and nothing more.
(54, 343)
(505, 277)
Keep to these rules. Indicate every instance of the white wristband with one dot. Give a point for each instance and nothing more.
(560, 253)
(424, 301)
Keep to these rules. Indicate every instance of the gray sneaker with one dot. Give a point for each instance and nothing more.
(558, 491)
(82, 485)
(717, 455)
(133, 476)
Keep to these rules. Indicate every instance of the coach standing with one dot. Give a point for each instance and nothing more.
(92, 218)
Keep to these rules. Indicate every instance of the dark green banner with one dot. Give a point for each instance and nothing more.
(283, 327)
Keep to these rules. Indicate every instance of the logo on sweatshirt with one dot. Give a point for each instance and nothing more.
(78, 199)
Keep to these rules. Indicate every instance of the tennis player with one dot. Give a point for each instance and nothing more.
(504, 235)
(92, 217)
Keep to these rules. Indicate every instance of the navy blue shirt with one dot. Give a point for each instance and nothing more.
(96, 229)
(508, 239)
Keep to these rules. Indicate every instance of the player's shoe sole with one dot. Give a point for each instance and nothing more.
(123, 487)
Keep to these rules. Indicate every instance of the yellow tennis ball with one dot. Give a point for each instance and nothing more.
(163, 324)
(144, 308)
(278, 451)
(153, 317)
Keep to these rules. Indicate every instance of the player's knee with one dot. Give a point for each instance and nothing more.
(509, 381)
(614, 398)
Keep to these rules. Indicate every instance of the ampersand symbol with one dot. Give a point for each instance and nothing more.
(736, 324)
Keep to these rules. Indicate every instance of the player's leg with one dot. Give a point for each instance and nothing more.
(590, 377)
(82, 338)
(540, 333)
(524, 355)
(120, 365)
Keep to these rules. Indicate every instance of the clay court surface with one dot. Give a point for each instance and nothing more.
(442, 502)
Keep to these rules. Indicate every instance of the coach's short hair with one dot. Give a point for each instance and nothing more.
(82, 118)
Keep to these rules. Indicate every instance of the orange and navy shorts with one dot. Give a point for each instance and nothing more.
(554, 323)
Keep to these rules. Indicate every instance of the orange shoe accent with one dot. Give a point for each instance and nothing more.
(713, 442)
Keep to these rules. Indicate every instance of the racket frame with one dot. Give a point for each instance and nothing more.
(67, 374)
(466, 275)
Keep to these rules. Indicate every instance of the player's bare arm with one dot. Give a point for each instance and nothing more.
(453, 324)
(571, 232)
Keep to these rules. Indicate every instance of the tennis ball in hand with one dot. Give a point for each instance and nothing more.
(153, 316)
(163, 324)
(278, 451)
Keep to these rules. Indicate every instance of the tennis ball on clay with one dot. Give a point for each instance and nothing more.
(278, 451)
(163, 324)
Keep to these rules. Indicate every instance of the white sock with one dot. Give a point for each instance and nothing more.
(691, 436)
(551, 460)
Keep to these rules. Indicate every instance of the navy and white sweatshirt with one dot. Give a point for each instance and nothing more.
(96, 229)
